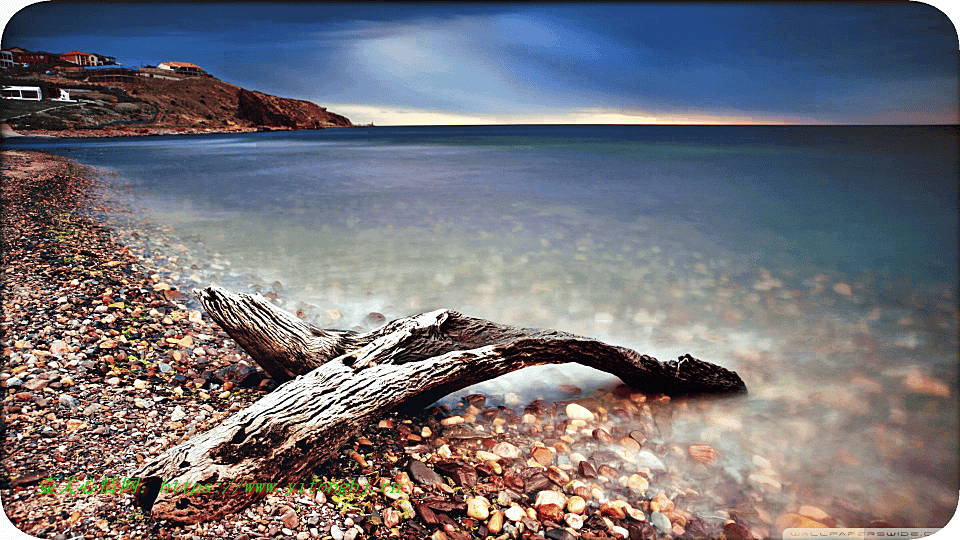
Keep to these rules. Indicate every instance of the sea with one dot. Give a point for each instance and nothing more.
(819, 262)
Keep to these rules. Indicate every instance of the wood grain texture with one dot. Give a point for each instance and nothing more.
(337, 382)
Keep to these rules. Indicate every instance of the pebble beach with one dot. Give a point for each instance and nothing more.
(108, 361)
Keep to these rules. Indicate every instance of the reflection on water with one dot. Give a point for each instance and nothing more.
(823, 274)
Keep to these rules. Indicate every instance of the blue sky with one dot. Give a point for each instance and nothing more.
(470, 63)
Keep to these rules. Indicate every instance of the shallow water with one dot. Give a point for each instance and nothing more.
(818, 262)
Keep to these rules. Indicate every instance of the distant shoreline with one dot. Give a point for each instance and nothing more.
(8, 132)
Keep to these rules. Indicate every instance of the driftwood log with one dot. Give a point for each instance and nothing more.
(336, 382)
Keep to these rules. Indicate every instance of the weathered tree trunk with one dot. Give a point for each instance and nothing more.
(337, 382)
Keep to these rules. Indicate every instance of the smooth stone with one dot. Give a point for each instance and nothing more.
(422, 474)
(576, 504)
(506, 450)
(652, 462)
(574, 521)
(542, 455)
(763, 480)
(550, 512)
(463, 475)
(515, 513)
(495, 525)
(559, 534)
(550, 497)
(660, 521)
(637, 483)
(578, 412)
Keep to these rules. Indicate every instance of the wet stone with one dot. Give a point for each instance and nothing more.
(506, 450)
(602, 435)
(660, 521)
(462, 474)
(537, 482)
(550, 512)
(559, 534)
(578, 412)
(423, 474)
(647, 459)
(587, 470)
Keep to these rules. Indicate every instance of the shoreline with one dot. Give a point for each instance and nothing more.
(107, 365)
(6, 131)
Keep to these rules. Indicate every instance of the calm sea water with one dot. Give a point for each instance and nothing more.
(819, 262)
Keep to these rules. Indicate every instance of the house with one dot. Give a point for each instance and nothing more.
(81, 58)
(181, 68)
(6, 59)
(23, 56)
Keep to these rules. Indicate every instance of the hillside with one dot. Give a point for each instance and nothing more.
(190, 105)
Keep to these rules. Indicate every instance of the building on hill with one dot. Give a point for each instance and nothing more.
(81, 58)
(106, 74)
(23, 56)
(181, 68)
(6, 59)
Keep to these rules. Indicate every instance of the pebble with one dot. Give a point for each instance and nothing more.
(542, 455)
(578, 412)
(177, 414)
(550, 497)
(495, 525)
(478, 508)
(576, 504)
(423, 474)
(703, 453)
(764, 481)
(559, 534)
(574, 521)
(638, 483)
(68, 401)
(652, 462)
(515, 513)
(506, 450)
(661, 522)
(451, 421)
(391, 517)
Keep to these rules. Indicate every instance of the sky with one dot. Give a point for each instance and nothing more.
(523, 63)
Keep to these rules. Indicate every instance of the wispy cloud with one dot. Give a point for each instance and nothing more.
(569, 63)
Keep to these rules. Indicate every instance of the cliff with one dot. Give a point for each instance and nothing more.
(190, 105)
(264, 110)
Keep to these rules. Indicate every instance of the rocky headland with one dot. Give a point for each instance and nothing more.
(160, 107)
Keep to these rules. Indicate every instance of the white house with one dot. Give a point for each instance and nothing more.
(182, 68)
(6, 59)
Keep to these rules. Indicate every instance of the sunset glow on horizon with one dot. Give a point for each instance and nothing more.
(529, 63)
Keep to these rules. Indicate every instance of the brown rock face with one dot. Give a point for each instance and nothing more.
(271, 111)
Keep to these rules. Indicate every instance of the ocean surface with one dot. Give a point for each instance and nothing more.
(821, 263)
